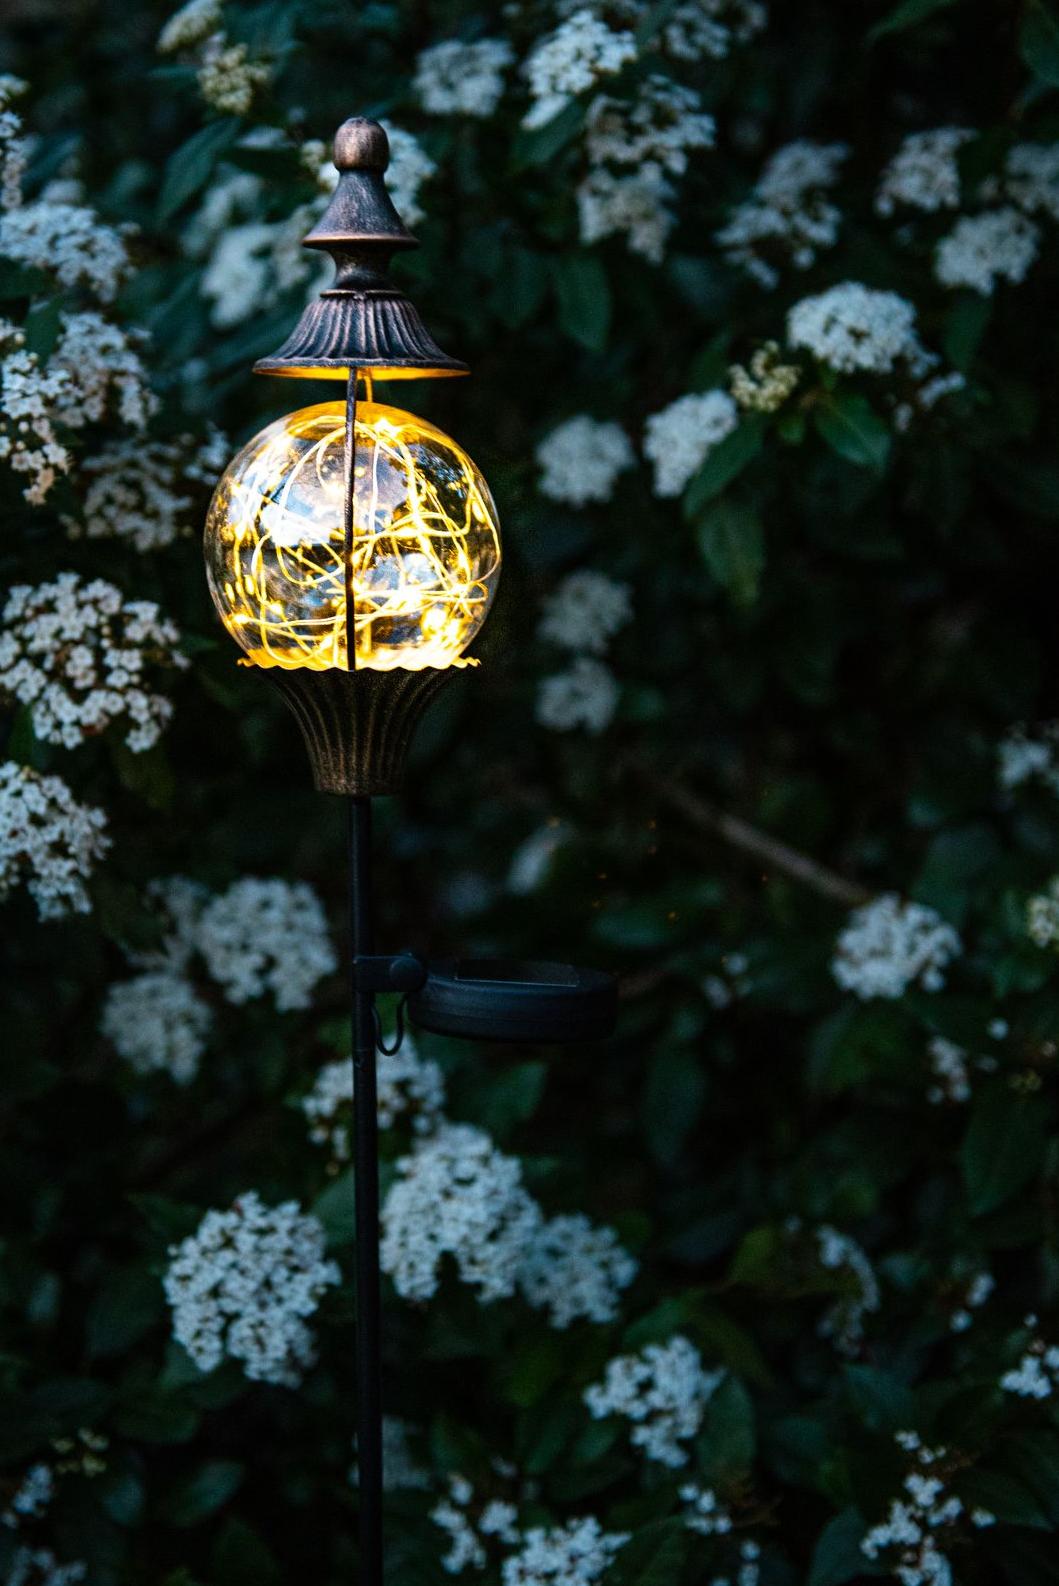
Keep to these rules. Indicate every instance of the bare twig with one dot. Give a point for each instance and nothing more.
(769, 851)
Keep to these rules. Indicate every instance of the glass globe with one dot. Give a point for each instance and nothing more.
(425, 550)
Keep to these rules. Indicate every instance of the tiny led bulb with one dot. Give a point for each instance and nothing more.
(425, 548)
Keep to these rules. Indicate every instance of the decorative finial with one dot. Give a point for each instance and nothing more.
(362, 321)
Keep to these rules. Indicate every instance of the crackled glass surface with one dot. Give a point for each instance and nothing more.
(425, 549)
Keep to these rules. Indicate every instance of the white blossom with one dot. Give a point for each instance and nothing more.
(82, 658)
(178, 902)
(457, 1195)
(227, 76)
(787, 218)
(765, 385)
(663, 1392)
(585, 695)
(407, 1085)
(920, 1524)
(13, 146)
(1037, 1374)
(975, 1294)
(1042, 916)
(29, 397)
(844, 1321)
(581, 460)
(138, 490)
(698, 28)
(585, 612)
(191, 25)
(949, 1066)
(1031, 177)
(680, 437)
(981, 250)
(69, 241)
(638, 206)
(924, 173)
(570, 60)
(468, 1534)
(158, 1024)
(853, 327)
(1029, 755)
(47, 840)
(704, 1512)
(576, 1554)
(454, 78)
(573, 1269)
(100, 360)
(661, 126)
(409, 168)
(889, 945)
(244, 1285)
(266, 936)
(32, 1497)
(40, 1567)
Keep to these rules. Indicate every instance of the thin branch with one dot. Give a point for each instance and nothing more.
(768, 851)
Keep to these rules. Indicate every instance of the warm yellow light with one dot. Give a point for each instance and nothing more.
(425, 547)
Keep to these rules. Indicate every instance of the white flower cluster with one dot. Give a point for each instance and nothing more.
(679, 439)
(454, 78)
(69, 241)
(663, 1391)
(158, 1024)
(924, 173)
(649, 140)
(844, 1321)
(704, 1512)
(572, 59)
(976, 1291)
(585, 695)
(765, 385)
(1030, 756)
(457, 1195)
(697, 28)
(998, 245)
(29, 397)
(585, 612)
(1037, 1374)
(99, 360)
(32, 1497)
(889, 945)
(468, 1536)
(81, 657)
(12, 143)
(227, 76)
(854, 327)
(787, 218)
(138, 490)
(1031, 177)
(909, 1534)
(409, 168)
(48, 840)
(723, 988)
(581, 460)
(573, 1269)
(576, 1554)
(948, 1063)
(407, 1084)
(1042, 916)
(39, 1567)
(266, 936)
(244, 1284)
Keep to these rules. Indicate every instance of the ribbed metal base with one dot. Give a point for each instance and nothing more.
(358, 725)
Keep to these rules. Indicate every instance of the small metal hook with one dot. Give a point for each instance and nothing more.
(380, 1044)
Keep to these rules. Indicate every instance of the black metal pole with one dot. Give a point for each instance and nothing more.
(368, 1294)
(365, 1102)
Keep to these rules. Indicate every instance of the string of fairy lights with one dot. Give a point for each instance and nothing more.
(426, 546)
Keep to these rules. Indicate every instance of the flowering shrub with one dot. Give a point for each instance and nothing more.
(759, 301)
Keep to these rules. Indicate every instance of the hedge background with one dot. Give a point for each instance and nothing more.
(831, 633)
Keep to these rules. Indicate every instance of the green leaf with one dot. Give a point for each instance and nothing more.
(1004, 1146)
(123, 1311)
(584, 298)
(852, 428)
(882, 1401)
(728, 1440)
(201, 1494)
(655, 1556)
(191, 166)
(540, 145)
(1002, 1495)
(837, 1557)
(240, 1558)
(676, 1090)
(154, 1417)
(336, 1209)
(1039, 41)
(963, 328)
(725, 462)
(732, 541)
(906, 15)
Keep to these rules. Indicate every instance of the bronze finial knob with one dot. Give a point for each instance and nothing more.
(361, 145)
